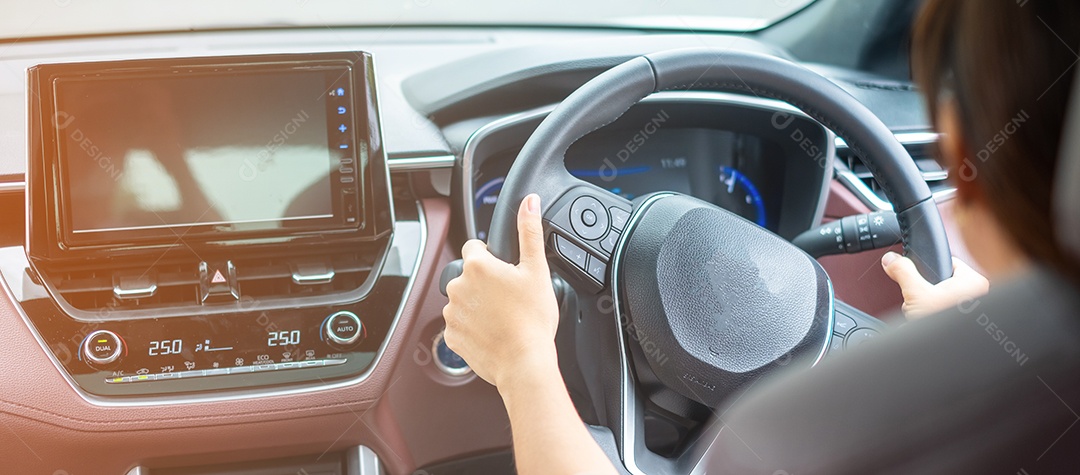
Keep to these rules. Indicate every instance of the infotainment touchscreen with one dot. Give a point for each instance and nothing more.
(155, 152)
(248, 150)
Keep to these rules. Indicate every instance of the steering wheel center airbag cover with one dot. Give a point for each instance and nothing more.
(717, 299)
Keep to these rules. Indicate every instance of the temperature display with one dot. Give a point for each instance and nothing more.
(283, 338)
(166, 347)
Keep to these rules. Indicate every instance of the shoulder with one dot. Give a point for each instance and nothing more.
(936, 395)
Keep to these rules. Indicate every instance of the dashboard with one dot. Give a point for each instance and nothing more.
(137, 343)
(733, 167)
(183, 258)
(718, 148)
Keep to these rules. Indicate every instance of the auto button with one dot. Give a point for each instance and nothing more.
(344, 328)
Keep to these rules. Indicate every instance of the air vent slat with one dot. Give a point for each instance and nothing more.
(921, 152)
(261, 278)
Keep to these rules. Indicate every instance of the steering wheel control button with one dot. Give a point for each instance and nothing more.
(571, 252)
(837, 344)
(446, 360)
(597, 269)
(589, 218)
(344, 328)
(608, 244)
(844, 324)
(619, 217)
(217, 282)
(102, 347)
(860, 336)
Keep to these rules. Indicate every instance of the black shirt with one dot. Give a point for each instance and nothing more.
(992, 386)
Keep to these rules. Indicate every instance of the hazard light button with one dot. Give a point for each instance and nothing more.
(217, 282)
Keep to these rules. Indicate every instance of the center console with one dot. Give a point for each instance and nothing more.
(211, 227)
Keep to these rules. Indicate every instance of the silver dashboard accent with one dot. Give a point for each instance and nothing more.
(89, 340)
(134, 294)
(906, 138)
(324, 278)
(935, 176)
(422, 163)
(201, 373)
(468, 155)
(313, 274)
(333, 335)
(855, 184)
(361, 460)
(12, 187)
(403, 264)
(385, 157)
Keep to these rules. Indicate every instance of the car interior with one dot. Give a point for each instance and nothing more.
(226, 231)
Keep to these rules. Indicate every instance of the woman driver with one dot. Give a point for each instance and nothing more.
(980, 64)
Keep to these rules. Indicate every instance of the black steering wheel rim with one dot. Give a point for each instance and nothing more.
(540, 166)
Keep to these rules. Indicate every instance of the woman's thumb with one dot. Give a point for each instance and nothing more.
(902, 271)
(531, 231)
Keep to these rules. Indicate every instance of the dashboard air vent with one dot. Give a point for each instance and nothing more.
(886, 86)
(274, 278)
(173, 286)
(856, 175)
(92, 290)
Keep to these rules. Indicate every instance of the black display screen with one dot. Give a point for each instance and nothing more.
(177, 153)
(740, 172)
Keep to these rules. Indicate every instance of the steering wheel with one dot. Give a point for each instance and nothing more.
(681, 294)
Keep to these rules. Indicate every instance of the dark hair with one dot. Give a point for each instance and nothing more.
(1009, 66)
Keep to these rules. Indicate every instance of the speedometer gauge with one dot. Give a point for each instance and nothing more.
(739, 195)
(484, 204)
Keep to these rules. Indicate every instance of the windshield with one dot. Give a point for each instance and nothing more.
(23, 20)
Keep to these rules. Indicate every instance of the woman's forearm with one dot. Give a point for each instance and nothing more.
(549, 437)
(502, 319)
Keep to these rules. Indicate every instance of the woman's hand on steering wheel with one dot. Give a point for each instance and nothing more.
(502, 317)
(921, 298)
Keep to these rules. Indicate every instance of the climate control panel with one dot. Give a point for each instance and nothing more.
(247, 346)
(278, 344)
(223, 351)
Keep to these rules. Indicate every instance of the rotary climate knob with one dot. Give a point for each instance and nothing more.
(344, 328)
(102, 347)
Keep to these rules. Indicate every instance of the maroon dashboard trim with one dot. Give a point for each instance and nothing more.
(46, 426)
